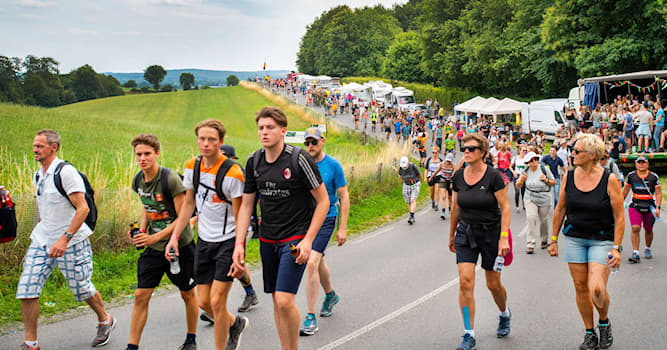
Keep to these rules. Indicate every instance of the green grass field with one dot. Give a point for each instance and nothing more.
(96, 138)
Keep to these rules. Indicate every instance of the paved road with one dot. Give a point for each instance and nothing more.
(398, 285)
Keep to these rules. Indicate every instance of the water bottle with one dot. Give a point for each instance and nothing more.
(135, 230)
(294, 251)
(174, 266)
(498, 264)
(615, 269)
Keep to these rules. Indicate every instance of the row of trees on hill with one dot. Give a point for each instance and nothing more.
(511, 47)
(37, 81)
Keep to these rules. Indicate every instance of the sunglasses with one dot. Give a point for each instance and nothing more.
(577, 151)
(308, 143)
(537, 159)
(470, 148)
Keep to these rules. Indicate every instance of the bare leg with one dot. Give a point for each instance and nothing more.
(287, 316)
(313, 280)
(325, 277)
(142, 297)
(223, 319)
(95, 302)
(579, 274)
(30, 312)
(598, 274)
(649, 237)
(497, 289)
(204, 297)
(634, 237)
(191, 309)
(466, 292)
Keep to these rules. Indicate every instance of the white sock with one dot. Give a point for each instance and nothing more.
(471, 332)
(647, 248)
(505, 313)
(32, 344)
(107, 321)
(636, 252)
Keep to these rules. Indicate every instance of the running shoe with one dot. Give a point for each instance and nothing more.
(411, 221)
(634, 259)
(648, 254)
(188, 346)
(309, 326)
(544, 245)
(606, 339)
(205, 316)
(25, 346)
(104, 333)
(443, 216)
(236, 331)
(468, 343)
(590, 342)
(248, 302)
(530, 250)
(504, 325)
(328, 304)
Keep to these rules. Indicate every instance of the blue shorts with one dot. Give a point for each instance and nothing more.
(582, 251)
(324, 234)
(280, 271)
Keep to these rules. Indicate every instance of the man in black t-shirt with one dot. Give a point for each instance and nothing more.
(411, 177)
(294, 205)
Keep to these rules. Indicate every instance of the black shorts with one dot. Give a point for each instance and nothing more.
(422, 154)
(486, 244)
(446, 184)
(387, 130)
(152, 265)
(213, 260)
(628, 134)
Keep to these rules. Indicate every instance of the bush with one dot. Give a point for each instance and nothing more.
(135, 90)
(167, 88)
(144, 89)
(130, 84)
(204, 87)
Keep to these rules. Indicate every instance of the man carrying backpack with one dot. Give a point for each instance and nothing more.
(214, 186)
(162, 194)
(59, 239)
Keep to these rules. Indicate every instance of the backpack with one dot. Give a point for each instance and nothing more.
(89, 195)
(219, 177)
(294, 165)
(167, 196)
(8, 222)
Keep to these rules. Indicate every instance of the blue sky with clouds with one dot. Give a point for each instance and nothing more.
(129, 35)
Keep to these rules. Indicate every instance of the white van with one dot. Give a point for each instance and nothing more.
(545, 115)
(576, 97)
(402, 97)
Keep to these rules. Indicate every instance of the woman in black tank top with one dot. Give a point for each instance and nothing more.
(591, 202)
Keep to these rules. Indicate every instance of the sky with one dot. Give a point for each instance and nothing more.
(129, 35)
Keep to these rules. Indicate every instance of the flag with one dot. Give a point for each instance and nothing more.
(264, 66)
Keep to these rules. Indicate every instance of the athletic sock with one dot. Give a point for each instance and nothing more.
(412, 215)
(604, 322)
(636, 252)
(471, 332)
(190, 338)
(505, 313)
(32, 344)
(235, 324)
(107, 321)
(331, 294)
(647, 248)
(132, 347)
(249, 290)
(590, 330)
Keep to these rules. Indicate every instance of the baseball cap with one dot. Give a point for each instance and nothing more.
(641, 159)
(529, 156)
(449, 157)
(404, 162)
(229, 151)
(314, 133)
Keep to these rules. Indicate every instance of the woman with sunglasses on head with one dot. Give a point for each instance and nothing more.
(538, 182)
(591, 203)
(480, 219)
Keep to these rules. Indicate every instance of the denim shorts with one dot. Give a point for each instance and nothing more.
(581, 250)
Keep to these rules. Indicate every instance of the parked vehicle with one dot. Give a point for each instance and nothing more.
(545, 115)
(402, 98)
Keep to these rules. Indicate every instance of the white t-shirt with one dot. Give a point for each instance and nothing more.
(55, 211)
(563, 154)
(519, 164)
(213, 213)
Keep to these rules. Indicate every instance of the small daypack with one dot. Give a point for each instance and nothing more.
(8, 222)
(219, 177)
(167, 196)
(89, 195)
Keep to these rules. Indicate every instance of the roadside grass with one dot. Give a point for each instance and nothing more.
(96, 136)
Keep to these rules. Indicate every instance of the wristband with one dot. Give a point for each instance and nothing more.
(240, 243)
(554, 238)
(174, 236)
(504, 234)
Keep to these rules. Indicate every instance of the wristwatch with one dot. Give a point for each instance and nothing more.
(618, 247)
(68, 235)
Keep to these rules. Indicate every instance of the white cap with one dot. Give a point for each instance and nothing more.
(449, 157)
(404, 162)
(530, 155)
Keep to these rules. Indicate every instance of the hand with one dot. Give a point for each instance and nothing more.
(553, 249)
(503, 246)
(238, 262)
(452, 248)
(129, 237)
(341, 236)
(58, 248)
(543, 178)
(143, 239)
(615, 261)
(173, 243)
(657, 213)
(304, 248)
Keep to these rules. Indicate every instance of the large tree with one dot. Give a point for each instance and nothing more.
(85, 83)
(187, 80)
(10, 82)
(41, 82)
(404, 58)
(232, 80)
(155, 74)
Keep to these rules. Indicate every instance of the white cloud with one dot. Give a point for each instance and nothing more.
(36, 3)
(81, 31)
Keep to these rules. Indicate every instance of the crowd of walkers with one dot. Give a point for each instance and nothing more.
(574, 184)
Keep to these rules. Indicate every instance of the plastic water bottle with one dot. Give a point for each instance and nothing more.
(614, 269)
(498, 264)
(174, 266)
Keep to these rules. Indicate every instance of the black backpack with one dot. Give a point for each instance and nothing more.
(167, 196)
(91, 219)
(219, 177)
(8, 222)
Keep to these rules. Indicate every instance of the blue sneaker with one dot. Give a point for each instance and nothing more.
(309, 326)
(468, 343)
(634, 259)
(648, 254)
(328, 304)
(504, 325)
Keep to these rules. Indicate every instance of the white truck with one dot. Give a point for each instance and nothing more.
(545, 115)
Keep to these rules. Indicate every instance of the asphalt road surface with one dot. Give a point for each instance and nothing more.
(399, 290)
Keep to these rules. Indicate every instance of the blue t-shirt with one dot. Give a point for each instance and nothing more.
(628, 118)
(333, 177)
(397, 126)
(553, 164)
(661, 122)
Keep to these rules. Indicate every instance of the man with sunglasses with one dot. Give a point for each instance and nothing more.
(645, 206)
(317, 271)
(555, 164)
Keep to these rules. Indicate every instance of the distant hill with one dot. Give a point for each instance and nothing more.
(202, 76)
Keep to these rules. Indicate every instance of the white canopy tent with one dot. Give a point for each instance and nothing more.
(471, 105)
(478, 107)
(504, 106)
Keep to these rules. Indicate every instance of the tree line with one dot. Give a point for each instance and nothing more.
(524, 48)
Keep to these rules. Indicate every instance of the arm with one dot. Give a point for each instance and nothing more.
(188, 206)
(437, 171)
(522, 179)
(504, 204)
(614, 191)
(559, 216)
(242, 223)
(626, 189)
(79, 202)
(344, 197)
(658, 199)
(453, 221)
(306, 244)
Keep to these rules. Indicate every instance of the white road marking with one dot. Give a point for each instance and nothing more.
(369, 327)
